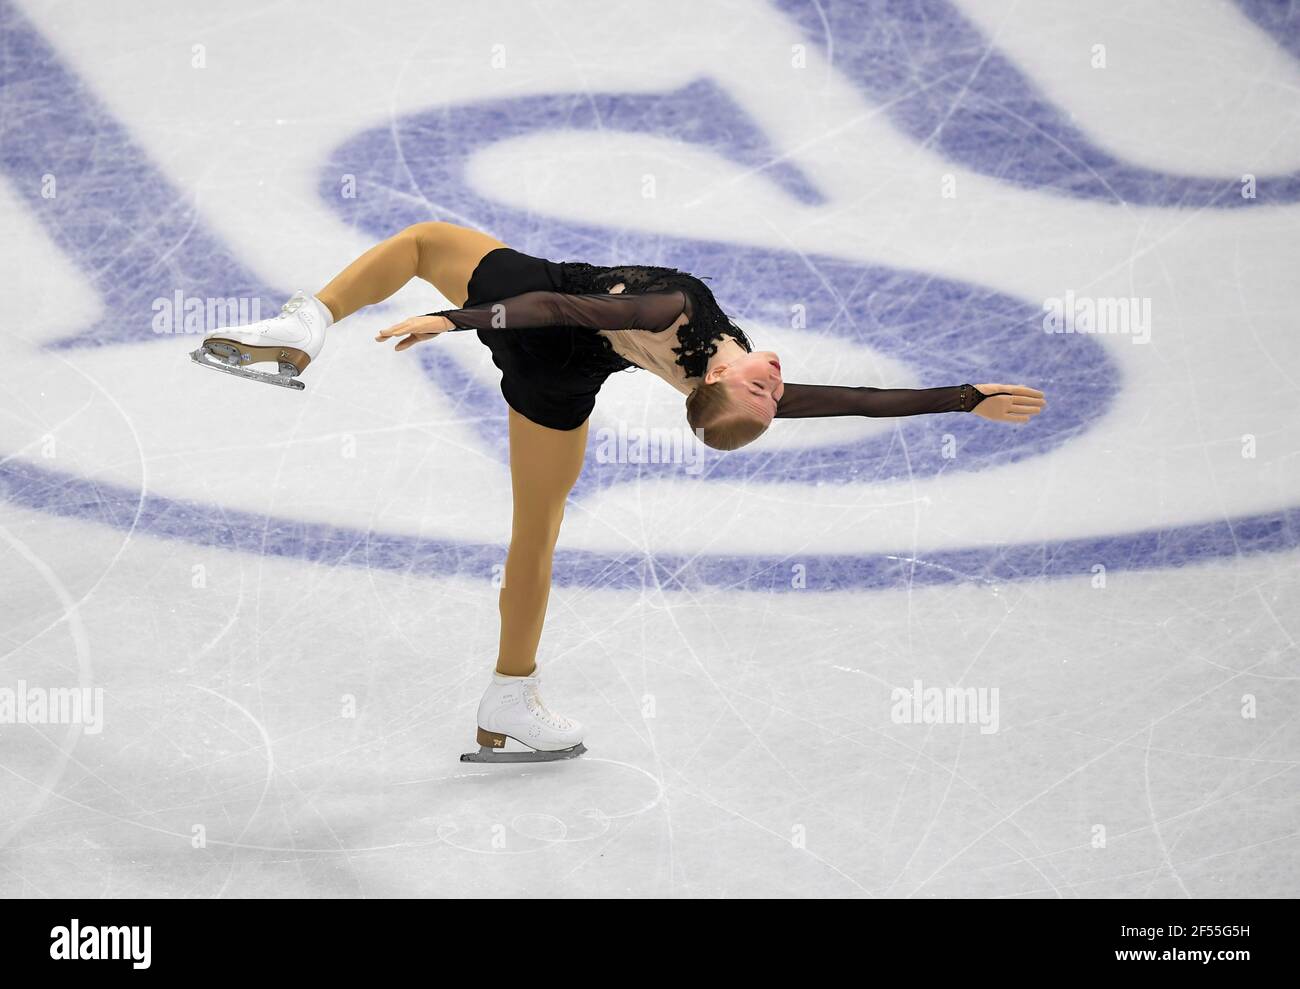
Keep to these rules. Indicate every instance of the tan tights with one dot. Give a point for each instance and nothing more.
(544, 462)
(443, 254)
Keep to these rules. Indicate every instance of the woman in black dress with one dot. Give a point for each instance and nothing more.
(557, 330)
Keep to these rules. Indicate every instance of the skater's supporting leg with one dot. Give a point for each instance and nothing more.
(443, 254)
(544, 464)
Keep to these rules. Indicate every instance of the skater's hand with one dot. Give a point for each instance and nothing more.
(415, 330)
(1019, 405)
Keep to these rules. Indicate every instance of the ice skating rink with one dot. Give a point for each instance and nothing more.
(281, 606)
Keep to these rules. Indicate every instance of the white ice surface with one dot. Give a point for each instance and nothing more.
(740, 742)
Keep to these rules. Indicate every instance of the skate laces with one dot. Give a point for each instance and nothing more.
(537, 708)
(286, 310)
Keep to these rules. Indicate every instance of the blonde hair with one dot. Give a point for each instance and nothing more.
(713, 417)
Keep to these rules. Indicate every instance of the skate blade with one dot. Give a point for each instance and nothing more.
(487, 754)
(285, 378)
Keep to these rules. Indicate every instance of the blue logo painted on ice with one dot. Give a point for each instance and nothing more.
(134, 248)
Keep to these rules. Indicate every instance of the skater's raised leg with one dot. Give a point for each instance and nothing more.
(443, 254)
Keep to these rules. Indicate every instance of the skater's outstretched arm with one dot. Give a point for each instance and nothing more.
(536, 310)
(659, 310)
(1000, 403)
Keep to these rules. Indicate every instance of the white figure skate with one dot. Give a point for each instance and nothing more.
(515, 726)
(291, 339)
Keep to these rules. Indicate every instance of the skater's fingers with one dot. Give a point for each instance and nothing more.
(422, 325)
(1009, 405)
(399, 330)
(413, 339)
(405, 327)
(1019, 390)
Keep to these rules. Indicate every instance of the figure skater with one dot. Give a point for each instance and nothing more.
(557, 331)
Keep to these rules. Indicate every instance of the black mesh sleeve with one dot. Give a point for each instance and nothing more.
(624, 311)
(811, 401)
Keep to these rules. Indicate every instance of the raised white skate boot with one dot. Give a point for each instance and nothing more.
(515, 726)
(291, 339)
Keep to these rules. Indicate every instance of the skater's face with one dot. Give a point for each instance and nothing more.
(753, 383)
(738, 397)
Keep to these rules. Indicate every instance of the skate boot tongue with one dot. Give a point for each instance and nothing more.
(533, 698)
(295, 303)
(301, 299)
